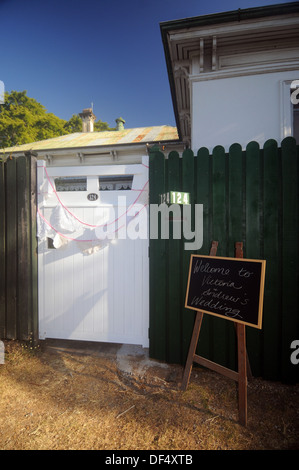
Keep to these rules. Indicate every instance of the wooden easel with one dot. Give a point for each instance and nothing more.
(243, 363)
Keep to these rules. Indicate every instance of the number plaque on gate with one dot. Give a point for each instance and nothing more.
(92, 196)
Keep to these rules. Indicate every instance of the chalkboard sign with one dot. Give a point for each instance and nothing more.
(231, 288)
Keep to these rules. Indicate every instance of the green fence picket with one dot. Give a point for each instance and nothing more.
(235, 198)
(32, 186)
(158, 265)
(235, 217)
(271, 242)
(290, 263)
(2, 254)
(204, 196)
(174, 317)
(188, 181)
(252, 250)
(23, 247)
(11, 249)
(220, 327)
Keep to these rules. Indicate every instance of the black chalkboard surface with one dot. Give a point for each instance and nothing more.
(231, 288)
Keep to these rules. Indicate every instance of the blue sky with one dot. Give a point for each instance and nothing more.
(68, 54)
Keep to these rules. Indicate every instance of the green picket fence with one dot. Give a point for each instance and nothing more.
(248, 196)
(18, 251)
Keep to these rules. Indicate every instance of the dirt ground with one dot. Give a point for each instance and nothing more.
(66, 399)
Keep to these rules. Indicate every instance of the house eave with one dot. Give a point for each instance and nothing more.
(230, 16)
(188, 32)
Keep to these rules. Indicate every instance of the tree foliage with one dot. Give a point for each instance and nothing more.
(73, 125)
(100, 126)
(24, 120)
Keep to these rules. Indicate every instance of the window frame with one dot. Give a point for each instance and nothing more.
(287, 109)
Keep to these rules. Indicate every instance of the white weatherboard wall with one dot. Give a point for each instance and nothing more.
(92, 289)
(240, 109)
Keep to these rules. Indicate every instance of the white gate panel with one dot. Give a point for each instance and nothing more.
(91, 289)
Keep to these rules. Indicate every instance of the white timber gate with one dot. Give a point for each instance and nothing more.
(93, 266)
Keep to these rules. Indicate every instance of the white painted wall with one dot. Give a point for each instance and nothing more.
(240, 109)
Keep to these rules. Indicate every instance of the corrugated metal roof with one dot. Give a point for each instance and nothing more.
(105, 138)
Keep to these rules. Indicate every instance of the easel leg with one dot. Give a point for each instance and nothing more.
(195, 334)
(239, 254)
(248, 367)
(192, 349)
(242, 380)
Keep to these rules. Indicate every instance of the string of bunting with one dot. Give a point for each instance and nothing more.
(85, 223)
(78, 239)
(39, 213)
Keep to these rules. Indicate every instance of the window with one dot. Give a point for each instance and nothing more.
(289, 106)
(115, 183)
(71, 183)
(295, 109)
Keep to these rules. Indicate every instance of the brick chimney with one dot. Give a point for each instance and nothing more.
(88, 119)
(120, 124)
